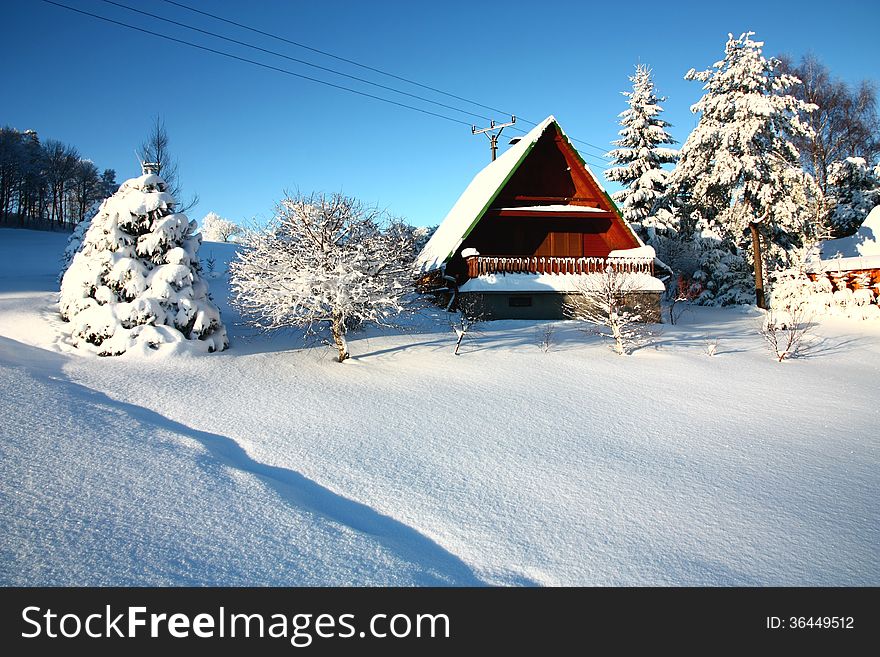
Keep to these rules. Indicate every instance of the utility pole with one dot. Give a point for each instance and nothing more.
(493, 136)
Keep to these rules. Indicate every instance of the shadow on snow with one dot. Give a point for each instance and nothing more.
(440, 567)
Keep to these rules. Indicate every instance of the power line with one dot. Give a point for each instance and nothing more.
(275, 68)
(337, 57)
(580, 141)
(292, 59)
(374, 70)
(256, 63)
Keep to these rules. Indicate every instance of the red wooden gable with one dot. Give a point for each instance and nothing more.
(551, 174)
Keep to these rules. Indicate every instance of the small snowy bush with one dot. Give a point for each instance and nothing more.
(545, 337)
(135, 280)
(601, 300)
(787, 333)
(470, 314)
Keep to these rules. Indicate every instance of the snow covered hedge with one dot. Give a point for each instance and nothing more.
(135, 282)
(826, 293)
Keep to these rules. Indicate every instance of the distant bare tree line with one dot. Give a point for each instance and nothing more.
(47, 184)
(844, 124)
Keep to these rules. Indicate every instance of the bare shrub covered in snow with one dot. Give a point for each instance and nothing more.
(545, 337)
(136, 278)
(469, 314)
(217, 229)
(326, 263)
(787, 333)
(601, 299)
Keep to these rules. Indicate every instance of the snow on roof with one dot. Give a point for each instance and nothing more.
(638, 252)
(832, 265)
(866, 241)
(641, 252)
(556, 208)
(480, 193)
(550, 283)
(475, 199)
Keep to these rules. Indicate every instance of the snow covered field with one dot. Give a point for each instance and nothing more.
(271, 463)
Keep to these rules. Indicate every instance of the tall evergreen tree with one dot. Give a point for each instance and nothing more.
(640, 156)
(738, 173)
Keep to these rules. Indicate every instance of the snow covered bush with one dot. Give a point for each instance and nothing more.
(853, 191)
(863, 294)
(468, 315)
(326, 263)
(602, 299)
(545, 335)
(787, 333)
(821, 294)
(724, 276)
(135, 281)
(639, 157)
(217, 229)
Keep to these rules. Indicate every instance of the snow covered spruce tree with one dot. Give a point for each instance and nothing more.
(853, 191)
(135, 281)
(738, 174)
(74, 243)
(640, 155)
(326, 263)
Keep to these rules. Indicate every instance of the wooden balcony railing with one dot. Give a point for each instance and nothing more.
(478, 265)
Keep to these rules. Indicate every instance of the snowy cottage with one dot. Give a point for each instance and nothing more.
(529, 228)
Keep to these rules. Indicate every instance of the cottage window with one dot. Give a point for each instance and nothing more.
(519, 301)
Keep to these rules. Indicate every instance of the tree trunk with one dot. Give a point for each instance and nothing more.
(758, 258)
(337, 328)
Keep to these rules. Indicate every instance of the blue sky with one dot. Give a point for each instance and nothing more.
(244, 134)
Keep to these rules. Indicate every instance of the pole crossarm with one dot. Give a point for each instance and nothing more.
(493, 136)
